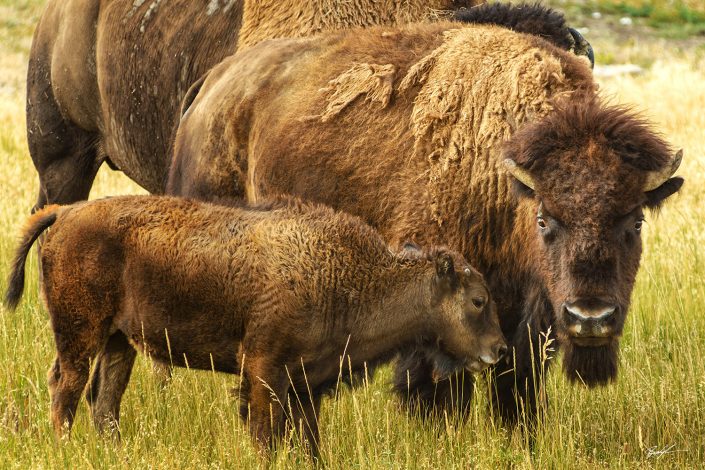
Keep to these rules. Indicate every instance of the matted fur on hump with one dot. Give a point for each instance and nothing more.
(474, 91)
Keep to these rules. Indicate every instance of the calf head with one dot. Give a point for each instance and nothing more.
(590, 171)
(466, 322)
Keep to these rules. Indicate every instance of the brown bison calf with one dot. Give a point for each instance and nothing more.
(277, 293)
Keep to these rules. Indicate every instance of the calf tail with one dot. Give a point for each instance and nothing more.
(36, 224)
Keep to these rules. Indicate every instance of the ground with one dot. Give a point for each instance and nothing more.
(653, 416)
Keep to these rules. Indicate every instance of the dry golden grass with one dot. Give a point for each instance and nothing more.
(654, 416)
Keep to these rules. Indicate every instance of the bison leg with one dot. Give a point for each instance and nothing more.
(413, 382)
(67, 168)
(519, 391)
(63, 153)
(304, 417)
(110, 378)
(67, 379)
(79, 334)
(264, 390)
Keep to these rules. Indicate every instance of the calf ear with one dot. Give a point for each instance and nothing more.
(411, 246)
(655, 197)
(445, 269)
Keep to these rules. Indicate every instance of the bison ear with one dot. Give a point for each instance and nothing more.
(445, 269)
(655, 197)
(411, 246)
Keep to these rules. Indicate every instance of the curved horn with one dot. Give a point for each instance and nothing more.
(519, 173)
(654, 179)
(581, 46)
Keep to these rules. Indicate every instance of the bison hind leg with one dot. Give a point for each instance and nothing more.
(65, 155)
(414, 384)
(110, 378)
(67, 379)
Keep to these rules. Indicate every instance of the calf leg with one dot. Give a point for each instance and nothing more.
(79, 333)
(110, 378)
(67, 379)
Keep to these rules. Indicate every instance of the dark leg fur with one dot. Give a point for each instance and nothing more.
(414, 384)
(305, 411)
(110, 378)
(518, 381)
(67, 379)
(263, 394)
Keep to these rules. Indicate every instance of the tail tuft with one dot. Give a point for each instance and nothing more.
(34, 227)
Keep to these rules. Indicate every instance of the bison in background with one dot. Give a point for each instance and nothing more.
(106, 79)
(493, 142)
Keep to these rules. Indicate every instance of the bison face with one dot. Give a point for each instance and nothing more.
(469, 335)
(589, 174)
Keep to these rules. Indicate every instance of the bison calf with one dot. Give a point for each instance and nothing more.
(277, 293)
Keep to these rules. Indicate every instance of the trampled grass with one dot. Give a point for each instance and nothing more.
(653, 416)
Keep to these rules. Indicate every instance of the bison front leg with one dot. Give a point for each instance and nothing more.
(263, 394)
(519, 392)
(305, 410)
(414, 383)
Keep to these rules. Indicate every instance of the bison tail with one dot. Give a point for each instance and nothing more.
(36, 224)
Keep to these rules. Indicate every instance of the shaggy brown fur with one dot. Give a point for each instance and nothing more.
(106, 79)
(278, 293)
(267, 19)
(418, 153)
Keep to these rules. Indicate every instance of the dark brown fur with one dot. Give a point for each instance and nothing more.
(534, 19)
(304, 117)
(278, 293)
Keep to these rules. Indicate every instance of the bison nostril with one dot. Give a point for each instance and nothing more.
(589, 318)
(501, 351)
(478, 302)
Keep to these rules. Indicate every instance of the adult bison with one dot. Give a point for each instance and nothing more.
(492, 142)
(106, 78)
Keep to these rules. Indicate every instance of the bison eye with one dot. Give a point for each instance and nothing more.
(541, 222)
(478, 302)
(638, 224)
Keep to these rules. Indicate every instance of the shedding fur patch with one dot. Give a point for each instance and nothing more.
(472, 93)
(374, 82)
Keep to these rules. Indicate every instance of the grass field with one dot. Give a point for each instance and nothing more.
(653, 416)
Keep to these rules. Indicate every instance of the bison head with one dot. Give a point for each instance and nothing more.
(469, 335)
(589, 171)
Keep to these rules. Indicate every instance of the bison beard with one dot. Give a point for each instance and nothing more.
(593, 366)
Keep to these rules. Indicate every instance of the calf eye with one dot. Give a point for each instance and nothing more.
(541, 222)
(638, 224)
(478, 302)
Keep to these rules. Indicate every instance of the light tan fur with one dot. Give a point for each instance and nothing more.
(269, 19)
